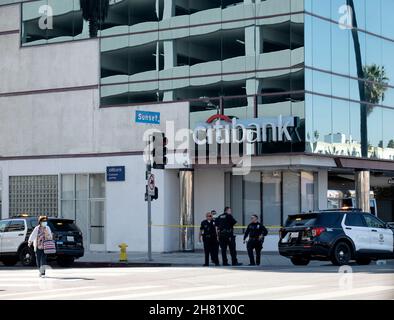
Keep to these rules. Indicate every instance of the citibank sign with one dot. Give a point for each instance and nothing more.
(222, 129)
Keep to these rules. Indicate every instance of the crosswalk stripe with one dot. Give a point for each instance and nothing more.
(339, 293)
(17, 285)
(43, 292)
(151, 295)
(76, 295)
(18, 280)
(248, 292)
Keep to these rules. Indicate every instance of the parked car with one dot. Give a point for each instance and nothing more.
(337, 236)
(15, 232)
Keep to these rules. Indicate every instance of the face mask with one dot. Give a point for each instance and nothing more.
(43, 224)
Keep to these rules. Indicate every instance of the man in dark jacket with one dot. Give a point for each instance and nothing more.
(256, 233)
(209, 236)
(225, 226)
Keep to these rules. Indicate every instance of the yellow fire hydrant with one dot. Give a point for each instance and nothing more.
(123, 253)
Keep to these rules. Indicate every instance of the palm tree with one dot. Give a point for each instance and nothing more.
(375, 85)
(361, 86)
(372, 90)
(94, 11)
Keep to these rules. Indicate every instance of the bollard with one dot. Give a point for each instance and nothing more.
(123, 253)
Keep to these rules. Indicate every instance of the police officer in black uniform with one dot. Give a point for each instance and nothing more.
(256, 233)
(225, 225)
(209, 236)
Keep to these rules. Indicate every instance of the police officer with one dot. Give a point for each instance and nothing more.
(256, 233)
(225, 225)
(209, 236)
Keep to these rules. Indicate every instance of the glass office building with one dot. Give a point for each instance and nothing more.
(327, 64)
(245, 59)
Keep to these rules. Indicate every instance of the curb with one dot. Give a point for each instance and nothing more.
(119, 264)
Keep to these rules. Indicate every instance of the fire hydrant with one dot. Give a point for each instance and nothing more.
(123, 253)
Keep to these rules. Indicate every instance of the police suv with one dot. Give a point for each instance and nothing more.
(337, 236)
(15, 232)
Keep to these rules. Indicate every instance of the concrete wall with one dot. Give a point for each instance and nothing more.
(64, 122)
(126, 210)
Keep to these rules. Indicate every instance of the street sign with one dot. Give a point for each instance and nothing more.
(151, 184)
(147, 117)
(116, 173)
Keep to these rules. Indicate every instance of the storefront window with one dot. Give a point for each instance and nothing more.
(291, 193)
(272, 198)
(252, 198)
(272, 195)
(83, 200)
(308, 190)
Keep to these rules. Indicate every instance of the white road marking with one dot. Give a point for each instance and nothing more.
(20, 285)
(339, 293)
(248, 292)
(42, 292)
(76, 295)
(160, 293)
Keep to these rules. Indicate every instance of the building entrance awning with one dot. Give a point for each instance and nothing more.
(364, 164)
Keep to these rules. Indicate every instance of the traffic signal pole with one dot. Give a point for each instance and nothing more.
(148, 172)
(158, 160)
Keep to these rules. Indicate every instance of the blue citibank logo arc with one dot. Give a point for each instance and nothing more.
(147, 117)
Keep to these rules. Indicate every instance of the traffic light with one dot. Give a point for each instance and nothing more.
(159, 152)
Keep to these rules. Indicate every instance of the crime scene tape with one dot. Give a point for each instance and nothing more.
(198, 226)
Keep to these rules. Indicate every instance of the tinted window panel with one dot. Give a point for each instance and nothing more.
(302, 220)
(354, 220)
(3, 225)
(16, 226)
(62, 225)
(330, 220)
(373, 222)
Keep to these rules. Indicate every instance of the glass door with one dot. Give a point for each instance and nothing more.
(97, 212)
(83, 200)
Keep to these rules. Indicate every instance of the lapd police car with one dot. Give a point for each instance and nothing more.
(15, 232)
(337, 236)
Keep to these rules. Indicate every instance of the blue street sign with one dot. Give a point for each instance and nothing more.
(147, 117)
(116, 173)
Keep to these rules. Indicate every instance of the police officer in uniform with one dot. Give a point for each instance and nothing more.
(225, 225)
(209, 236)
(256, 233)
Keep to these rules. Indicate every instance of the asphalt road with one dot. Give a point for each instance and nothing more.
(317, 281)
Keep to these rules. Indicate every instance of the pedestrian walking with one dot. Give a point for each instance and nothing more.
(40, 234)
(209, 236)
(225, 227)
(256, 233)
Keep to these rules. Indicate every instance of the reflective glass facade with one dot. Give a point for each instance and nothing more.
(312, 59)
(349, 77)
(239, 58)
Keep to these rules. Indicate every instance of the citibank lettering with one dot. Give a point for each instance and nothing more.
(222, 129)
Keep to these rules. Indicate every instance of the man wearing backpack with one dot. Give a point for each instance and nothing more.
(256, 233)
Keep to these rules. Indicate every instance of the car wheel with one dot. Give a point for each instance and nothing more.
(65, 262)
(300, 261)
(26, 257)
(9, 262)
(342, 254)
(363, 261)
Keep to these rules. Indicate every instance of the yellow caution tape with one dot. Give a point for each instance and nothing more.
(198, 226)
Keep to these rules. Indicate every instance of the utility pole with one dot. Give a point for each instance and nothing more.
(149, 198)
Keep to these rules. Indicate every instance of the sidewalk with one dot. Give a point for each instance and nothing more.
(107, 259)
